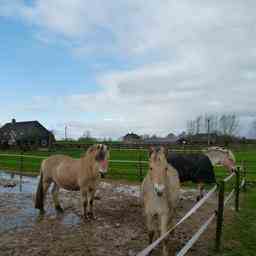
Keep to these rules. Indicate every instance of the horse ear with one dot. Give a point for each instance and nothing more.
(151, 150)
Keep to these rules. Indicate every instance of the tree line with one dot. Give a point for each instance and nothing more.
(225, 124)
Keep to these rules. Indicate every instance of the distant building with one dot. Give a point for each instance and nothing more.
(131, 138)
(169, 139)
(30, 133)
(200, 138)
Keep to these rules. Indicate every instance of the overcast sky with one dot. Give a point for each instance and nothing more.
(113, 67)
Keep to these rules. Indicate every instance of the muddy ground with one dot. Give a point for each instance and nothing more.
(118, 230)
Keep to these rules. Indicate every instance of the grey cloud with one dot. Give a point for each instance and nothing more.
(191, 57)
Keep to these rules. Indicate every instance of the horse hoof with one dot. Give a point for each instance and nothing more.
(90, 216)
(59, 209)
(41, 212)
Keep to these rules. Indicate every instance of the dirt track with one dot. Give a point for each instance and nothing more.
(118, 230)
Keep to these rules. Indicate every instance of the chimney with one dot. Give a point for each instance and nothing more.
(13, 121)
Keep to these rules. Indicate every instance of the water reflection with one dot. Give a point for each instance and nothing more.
(16, 183)
(17, 209)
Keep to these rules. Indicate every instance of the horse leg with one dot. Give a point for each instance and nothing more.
(201, 191)
(164, 221)
(83, 202)
(55, 197)
(46, 185)
(150, 227)
(90, 199)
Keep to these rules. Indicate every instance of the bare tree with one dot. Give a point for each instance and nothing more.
(253, 128)
(198, 121)
(191, 127)
(228, 124)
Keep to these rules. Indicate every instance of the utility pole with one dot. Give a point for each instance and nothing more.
(208, 131)
(66, 128)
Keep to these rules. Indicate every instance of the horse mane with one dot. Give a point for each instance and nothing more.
(217, 148)
(231, 155)
(88, 151)
(156, 153)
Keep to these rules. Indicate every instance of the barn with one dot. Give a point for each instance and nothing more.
(27, 134)
(131, 138)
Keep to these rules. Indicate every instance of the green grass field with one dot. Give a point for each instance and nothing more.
(239, 239)
(119, 168)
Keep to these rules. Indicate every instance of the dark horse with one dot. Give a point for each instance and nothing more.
(193, 167)
(198, 168)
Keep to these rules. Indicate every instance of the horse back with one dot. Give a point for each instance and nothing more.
(63, 170)
(183, 164)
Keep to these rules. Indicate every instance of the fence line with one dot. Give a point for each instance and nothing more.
(196, 236)
(222, 203)
(148, 249)
(44, 157)
(229, 177)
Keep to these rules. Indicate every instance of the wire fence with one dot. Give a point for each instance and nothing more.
(219, 213)
(131, 166)
(118, 169)
(135, 170)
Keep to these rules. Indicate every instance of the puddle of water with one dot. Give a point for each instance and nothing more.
(71, 219)
(129, 190)
(23, 184)
(17, 205)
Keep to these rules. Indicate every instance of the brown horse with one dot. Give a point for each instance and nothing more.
(160, 191)
(73, 174)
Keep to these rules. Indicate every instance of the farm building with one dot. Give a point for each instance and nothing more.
(169, 139)
(29, 133)
(200, 138)
(131, 138)
(214, 138)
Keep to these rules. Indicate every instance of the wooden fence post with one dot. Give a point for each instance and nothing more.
(244, 175)
(140, 168)
(237, 188)
(21, 161)
(220, 213)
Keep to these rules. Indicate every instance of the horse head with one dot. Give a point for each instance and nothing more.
(230, 161)
(158, 168)
(222, 156)
(100, 153)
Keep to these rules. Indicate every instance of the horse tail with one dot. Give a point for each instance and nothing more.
(39, 199)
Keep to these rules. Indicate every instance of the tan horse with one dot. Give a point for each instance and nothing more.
(160, 191)
(73, 174)
(221, 156)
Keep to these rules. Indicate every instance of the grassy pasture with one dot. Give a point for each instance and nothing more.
(239, 238)
(123, 165)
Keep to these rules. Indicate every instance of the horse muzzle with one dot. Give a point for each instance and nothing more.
(103, 172)
(159, 189)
